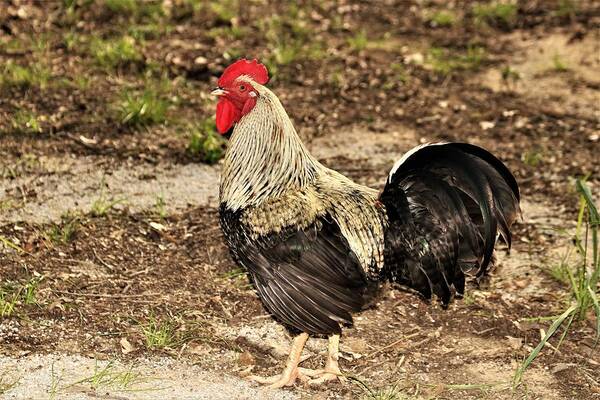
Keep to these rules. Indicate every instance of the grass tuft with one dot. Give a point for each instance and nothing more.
(533, 157)
(228, 32)
(108, 376)
(13, 294)
(158, 335)
(149, 108)
(387, 393)
(26, 122)
(558, 64)
(122, 6)
(566, 8)
(103, 204)
(205, 143)
(225, 10)
(72, 40)
(15, 75)
(115, 53)
(290, 38)
(10, 244)
(160, 206)
(359, 41)
(148, 31)
(498, 14)
(510, 74)
(55, 380)
(398, 77)
(64, 232)
(8, 302)
(7, 385)
(443, 19)
(445, 63)
(559, 272)
(136, 9)
(583, 278)
(168, 331)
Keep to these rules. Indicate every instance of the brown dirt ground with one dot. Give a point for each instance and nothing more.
(358, 110)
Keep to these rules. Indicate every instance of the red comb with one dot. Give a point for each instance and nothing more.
(253, 69)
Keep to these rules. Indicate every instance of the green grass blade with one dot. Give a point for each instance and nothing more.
(534, 353)
(594, 225)
(565, 331)
(362, 384)
(574, 285)
(596, 304)
(580, 217)
(585, 192)
(10, 244)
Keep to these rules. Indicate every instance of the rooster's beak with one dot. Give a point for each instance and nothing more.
(218, 92)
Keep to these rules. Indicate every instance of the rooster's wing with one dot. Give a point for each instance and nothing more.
(308, 279)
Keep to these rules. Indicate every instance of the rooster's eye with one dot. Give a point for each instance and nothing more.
(242, 88)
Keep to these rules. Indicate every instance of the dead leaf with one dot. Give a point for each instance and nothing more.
(562, 367)
(157, 226)
(514, 343)
(246, 359)
(356, 345)
(246, 371)
(198, 349)
(126, 346)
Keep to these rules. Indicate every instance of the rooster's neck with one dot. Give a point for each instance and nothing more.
(265, 157)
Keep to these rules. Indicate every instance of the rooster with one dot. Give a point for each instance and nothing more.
(318, 246)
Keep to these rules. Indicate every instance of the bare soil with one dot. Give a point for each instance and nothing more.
(157, 258)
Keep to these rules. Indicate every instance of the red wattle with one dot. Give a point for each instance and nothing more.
(227, 115)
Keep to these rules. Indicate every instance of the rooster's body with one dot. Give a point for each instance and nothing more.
(317, 245)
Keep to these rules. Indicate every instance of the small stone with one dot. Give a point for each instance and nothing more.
(485, 125)
(415, 58)
(200, 60)
(22, 13)
(521, 122)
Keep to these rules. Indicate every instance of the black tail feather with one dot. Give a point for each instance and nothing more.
(446, 203)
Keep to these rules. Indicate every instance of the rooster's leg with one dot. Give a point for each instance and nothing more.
(332, 369)
(291, 371)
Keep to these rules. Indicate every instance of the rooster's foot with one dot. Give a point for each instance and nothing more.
(320, 376)
(331, 372)
(291, 371)
(286, 378)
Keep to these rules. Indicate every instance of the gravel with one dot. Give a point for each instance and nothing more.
(71, 377)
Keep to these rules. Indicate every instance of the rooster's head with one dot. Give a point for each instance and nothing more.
(237, 95)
